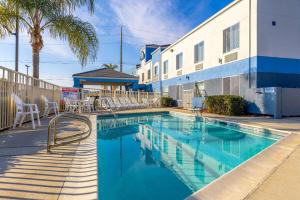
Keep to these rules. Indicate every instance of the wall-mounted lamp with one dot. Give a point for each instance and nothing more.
(187, 77)
(220, 60)
(172, 50)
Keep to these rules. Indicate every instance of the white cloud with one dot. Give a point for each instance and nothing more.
(149, 21)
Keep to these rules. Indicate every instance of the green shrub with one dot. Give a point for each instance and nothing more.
(226, 105)
(167, 101)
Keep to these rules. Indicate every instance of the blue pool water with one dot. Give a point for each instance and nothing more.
(160, 156)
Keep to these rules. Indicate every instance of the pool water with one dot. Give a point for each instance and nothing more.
(160, 156)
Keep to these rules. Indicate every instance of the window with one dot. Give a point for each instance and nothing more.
(143, 77)
(155, 70)
(149, 74)
(179, 60)
(165, 91)
(231, 38)
(166, 65)
(199, 52)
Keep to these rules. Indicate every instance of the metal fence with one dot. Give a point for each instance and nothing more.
(29, 89)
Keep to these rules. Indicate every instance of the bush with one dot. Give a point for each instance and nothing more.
(167, 101)
(226, 105)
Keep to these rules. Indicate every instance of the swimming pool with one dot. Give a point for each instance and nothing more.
(165, 156)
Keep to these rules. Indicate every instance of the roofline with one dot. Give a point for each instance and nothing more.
(153, 52)
(203, 23)
(78, 74)
(106, 77)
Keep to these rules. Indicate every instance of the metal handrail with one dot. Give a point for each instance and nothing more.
(52, 131)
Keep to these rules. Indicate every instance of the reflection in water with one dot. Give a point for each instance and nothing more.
(183, 153)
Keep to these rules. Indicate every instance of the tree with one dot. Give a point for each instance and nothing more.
(110, 66)
(55, 17)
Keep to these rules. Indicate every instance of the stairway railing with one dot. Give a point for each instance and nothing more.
(55, 141)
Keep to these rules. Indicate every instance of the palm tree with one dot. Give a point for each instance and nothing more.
(110, 66)
(55, 17)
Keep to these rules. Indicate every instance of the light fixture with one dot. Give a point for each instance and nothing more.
(220, 60)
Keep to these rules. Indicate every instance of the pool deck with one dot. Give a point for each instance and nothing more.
(28, 172)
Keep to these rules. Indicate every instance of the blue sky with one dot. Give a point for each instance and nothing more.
(144, 21)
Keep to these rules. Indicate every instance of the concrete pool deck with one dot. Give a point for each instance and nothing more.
(28, 172)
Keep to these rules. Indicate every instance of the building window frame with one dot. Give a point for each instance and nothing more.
(179, 61)
(155, 70)
(199, 52)
(231, 38)
(149, 74)
(165, 67)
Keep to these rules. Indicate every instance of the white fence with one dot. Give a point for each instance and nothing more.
(27, 88)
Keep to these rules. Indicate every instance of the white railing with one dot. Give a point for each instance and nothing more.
(27, 88)
(138, 95)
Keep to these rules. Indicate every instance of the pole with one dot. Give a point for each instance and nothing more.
(121, 50)
(27, 66)
(17, 43)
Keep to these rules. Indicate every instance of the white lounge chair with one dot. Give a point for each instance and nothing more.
(23, 109)
(132, 105)
(135, 102)
(126, 103)
(110, 104)
(50, 106)
(120, 105)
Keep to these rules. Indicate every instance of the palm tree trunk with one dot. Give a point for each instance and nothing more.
(35, 63)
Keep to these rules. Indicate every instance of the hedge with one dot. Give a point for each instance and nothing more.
(226, 105)
(167, 101)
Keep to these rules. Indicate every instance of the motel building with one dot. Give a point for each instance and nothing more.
(250, 48)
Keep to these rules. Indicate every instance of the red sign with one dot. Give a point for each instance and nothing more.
(70, 90)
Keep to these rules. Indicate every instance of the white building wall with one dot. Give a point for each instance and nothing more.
(282, 40)
(144, 69)
(211, 32)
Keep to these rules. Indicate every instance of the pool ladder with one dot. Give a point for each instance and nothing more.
(54, 138)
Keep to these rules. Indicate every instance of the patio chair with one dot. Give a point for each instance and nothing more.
(88, 105)
(110, 104)
(50, 106)
(127, 103)
(197, 104)
(70, 106)
(119, 104)
(135, 102)
(23, 109)
(146, 102)
(155, 102)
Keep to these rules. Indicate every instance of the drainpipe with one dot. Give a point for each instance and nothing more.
(160, 73)
(278, 103)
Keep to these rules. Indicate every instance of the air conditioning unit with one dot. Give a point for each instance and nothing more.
(231, 57)
(199, 67)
